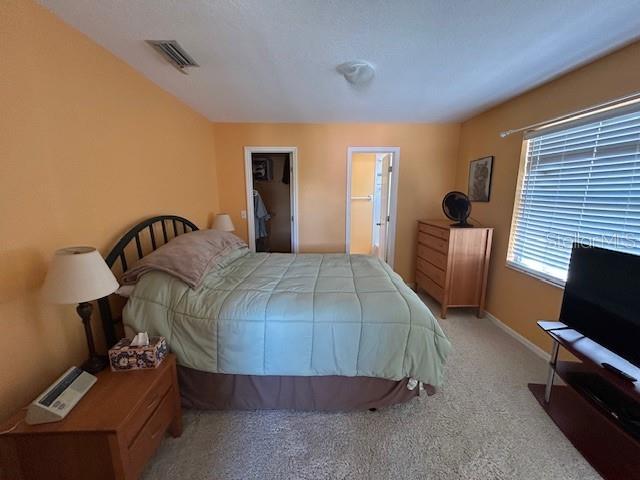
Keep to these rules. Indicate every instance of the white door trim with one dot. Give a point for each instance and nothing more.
(393, 203)
(293, 191)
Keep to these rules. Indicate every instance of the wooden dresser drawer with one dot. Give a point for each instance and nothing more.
(435, 231)
(434, 242)
(430, 286)
(152, 433)
(151, 400)
(432, 256)
(434, 273)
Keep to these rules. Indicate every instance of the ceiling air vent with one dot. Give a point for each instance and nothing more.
(174, 54)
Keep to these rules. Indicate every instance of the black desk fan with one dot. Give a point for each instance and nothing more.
(457, 206)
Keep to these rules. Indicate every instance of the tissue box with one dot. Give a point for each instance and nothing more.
(123, 357)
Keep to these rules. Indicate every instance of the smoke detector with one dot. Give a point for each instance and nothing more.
(173, 53)
(357, 72)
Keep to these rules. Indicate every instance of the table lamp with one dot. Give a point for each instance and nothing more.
(223, 222)
(80, 275)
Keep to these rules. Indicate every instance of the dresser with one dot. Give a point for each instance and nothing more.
(109, 435)
(452, 264)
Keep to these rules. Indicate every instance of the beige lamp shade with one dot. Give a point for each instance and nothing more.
(76, 275)
(223, 222)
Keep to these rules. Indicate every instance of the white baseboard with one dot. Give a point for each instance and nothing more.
(524, 341)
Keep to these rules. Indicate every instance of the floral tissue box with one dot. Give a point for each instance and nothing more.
(123, 357)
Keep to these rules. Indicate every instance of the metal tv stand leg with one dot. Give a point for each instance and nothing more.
(552, 371)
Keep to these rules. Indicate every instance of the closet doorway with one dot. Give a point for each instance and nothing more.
(271, 180)
(372, 190)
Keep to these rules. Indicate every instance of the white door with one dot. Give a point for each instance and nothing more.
(381, 205)
(372, 230)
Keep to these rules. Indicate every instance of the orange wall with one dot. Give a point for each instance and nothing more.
(428, 155)
(363, 176)
(513, 297)
(87, 148)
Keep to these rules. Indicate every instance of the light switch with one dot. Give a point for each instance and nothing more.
(243, 214)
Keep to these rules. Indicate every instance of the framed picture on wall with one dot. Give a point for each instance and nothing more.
(480, 171)
(262, 169)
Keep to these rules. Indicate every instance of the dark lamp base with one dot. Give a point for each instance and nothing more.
(95, 364)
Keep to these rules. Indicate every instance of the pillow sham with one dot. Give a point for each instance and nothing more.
(188, 257)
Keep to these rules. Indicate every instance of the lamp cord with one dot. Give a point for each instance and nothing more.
(16, 425)
(12, 428)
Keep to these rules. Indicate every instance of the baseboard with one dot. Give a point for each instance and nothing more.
(524, 341)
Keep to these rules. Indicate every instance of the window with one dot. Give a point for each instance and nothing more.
(580, 182)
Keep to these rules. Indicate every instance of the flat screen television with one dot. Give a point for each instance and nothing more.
(602, 299)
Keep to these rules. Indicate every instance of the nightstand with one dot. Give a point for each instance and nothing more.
(111, 434)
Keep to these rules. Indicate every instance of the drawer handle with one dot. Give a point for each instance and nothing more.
(153, 436)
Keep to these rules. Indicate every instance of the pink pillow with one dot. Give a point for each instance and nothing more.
(188, 257)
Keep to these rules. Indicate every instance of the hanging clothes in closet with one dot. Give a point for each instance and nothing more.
(261, 216)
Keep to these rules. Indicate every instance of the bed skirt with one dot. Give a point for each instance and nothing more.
(219, 391)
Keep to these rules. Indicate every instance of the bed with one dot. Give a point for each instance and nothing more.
(275, 331)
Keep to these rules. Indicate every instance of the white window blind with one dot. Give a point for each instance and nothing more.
(580, 183)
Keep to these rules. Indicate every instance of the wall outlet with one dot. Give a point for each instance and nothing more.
(243, 214)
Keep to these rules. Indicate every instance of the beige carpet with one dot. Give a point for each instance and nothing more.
(483, 424)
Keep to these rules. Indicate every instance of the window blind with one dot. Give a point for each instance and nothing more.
(580, 183)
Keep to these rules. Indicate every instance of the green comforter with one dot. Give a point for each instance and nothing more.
(287, 314)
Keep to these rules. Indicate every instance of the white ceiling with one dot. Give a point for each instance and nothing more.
(274, 60)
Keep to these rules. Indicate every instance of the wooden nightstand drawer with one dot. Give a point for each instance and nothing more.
(148, 405)
(151, 434)
(109, 435)
(434, 242)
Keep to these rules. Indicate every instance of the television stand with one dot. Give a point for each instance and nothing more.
(620, 373)
(597, 410)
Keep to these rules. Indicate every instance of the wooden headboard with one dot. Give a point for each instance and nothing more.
(163, 227)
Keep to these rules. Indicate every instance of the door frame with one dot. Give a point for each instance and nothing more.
(393, 201)
(293, 191)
